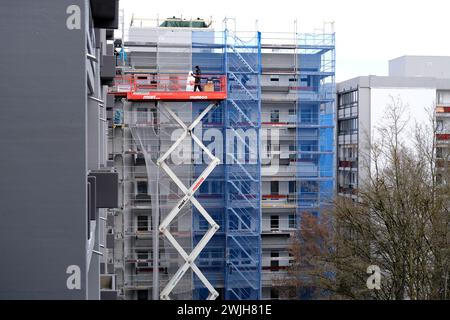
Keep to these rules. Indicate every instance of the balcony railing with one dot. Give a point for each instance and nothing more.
(348, 190)
(443, 137)
(348, 163)
(442, 109)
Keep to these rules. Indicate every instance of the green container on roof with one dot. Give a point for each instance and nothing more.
(179, 23)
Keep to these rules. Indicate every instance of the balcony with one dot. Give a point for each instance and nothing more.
(270, 276)
(143, 281)
(279, 201)
(348, 189)
(280, 169)
(347, 138)
(279, 96)
(442, 163)
(290, 124)
(443, 137)
(442, 111)
(284, 225)
(138, 200)
(276, 83)
(348, 164)
(139, 233)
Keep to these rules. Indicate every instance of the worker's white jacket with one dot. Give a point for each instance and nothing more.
(190, 83)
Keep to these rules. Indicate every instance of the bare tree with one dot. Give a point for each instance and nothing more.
(400, 223)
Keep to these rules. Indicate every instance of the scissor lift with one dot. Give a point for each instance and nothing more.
(172, 87)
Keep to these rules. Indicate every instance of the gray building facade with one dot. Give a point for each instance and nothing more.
(53, 137)
(361, 103)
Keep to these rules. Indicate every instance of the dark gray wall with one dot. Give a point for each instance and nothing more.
(42, 149)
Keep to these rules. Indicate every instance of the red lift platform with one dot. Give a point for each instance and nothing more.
(169, 87)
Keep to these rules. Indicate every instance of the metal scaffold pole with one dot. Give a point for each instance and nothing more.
(155, 222)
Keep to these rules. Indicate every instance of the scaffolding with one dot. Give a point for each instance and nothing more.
(316, 123)
(243, 168)
(150, 95)
(151, 105)
(312, 89)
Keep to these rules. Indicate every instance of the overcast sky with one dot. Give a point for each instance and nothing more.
(368, 33)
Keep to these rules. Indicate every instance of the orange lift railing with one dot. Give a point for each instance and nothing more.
(170, 87)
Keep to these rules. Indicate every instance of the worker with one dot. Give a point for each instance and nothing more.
(197, 79)
(190, 82)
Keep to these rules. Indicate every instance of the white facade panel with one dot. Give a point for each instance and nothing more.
(416, 102)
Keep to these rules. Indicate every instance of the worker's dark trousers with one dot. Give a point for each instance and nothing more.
(197, 86)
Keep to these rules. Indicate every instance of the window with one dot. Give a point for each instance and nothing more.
(352, 180)
(142, 256)
(307, 148)
(309, 186)
(274, 188)
(304, 81)
(292, 115)
(142, 294)
(348, 99)
(142, 223)
(292, 151)
(348, 126)
(203, 225)
(142, 187)
(439, 152)
(275, 116)
(292, 221)
(274, 261)
(292, 187)
(308, 115)
(139, 159)
(274, 222)
(274, 294)
(443, 97)
(216, 187)
(439, 125)
(204, 187)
